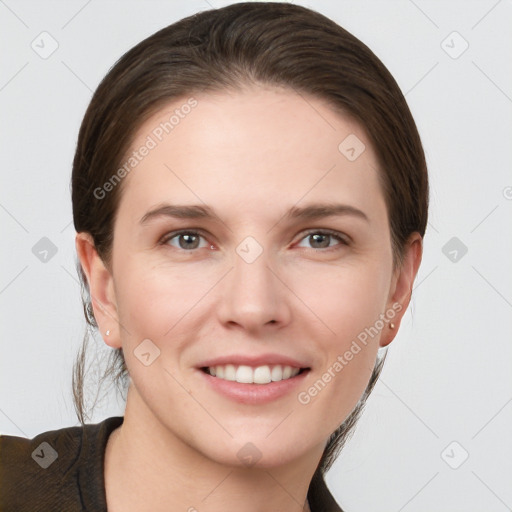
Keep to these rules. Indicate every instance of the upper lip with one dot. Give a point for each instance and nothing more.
(261, 360)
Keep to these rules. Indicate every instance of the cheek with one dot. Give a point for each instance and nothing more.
(153, 299)
(344, 298)
(153, 306)
(350, 303)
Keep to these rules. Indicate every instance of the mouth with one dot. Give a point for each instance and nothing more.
(244, 374)
(254, 385)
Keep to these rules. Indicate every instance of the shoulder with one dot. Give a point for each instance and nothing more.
(50, 471)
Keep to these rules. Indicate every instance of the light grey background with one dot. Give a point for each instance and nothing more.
(448, 373)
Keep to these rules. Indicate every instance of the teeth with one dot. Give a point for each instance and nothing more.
(262, 375)
(249, 375)
(230, 372)
(276, 373)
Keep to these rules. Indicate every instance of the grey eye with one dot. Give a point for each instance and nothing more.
(186, 241)
(320, 240)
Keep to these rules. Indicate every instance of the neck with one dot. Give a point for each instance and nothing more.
(161, 470)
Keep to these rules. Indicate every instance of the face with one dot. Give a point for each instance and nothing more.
(246, 235)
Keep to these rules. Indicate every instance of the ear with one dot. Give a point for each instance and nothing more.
(401, 286)
(101, 289)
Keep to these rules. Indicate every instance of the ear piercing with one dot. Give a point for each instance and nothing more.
(391, 325)
(107, 333)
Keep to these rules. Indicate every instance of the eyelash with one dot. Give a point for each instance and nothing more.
(343, 239)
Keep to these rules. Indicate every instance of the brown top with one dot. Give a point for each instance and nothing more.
(63, 470)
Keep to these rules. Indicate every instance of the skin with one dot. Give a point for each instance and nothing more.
(250, 155)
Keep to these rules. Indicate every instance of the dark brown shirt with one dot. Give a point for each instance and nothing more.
(62, 470)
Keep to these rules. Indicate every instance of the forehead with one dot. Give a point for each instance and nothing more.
(251, 147)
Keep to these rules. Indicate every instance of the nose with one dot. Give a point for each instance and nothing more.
(253, 296)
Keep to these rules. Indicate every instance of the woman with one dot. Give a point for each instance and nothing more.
(250, 198)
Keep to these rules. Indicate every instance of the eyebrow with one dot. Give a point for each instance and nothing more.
(179, 212)
(317, 211)
(310, 212)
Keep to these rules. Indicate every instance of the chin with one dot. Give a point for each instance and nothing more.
(258, 451)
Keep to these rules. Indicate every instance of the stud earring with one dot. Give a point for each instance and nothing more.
(107, 333)
(391, 325)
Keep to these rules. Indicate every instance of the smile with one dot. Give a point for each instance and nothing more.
(253, 375)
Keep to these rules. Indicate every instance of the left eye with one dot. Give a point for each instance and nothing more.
(186, 240)
(322, 239)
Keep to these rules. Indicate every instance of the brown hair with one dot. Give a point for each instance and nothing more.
(276, 44)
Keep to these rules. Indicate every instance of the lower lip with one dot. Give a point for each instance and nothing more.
(254, 394)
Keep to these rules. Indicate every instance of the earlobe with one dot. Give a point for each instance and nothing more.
(101, 289)
(401, 290)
